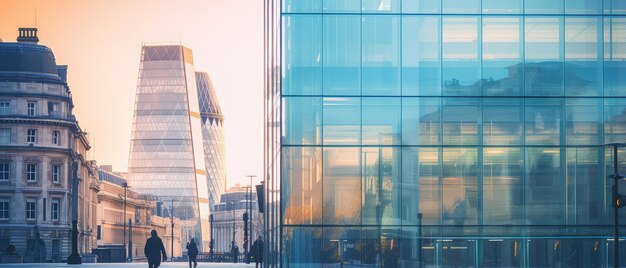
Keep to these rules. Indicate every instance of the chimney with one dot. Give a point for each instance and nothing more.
(28, 35)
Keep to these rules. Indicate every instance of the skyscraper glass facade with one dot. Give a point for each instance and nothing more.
(166, 155)
(212, 121)
(442, 133)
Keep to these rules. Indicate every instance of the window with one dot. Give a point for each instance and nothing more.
(32, 107)
(5, 135)
(56, 137)
(31, 172)
(54, 109)
(5, 171)
(4, 210)
(31, 136)
(56, 173)
(31, 209)
(54, 210)
(5, 107)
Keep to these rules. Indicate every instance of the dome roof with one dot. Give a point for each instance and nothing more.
(27, 60)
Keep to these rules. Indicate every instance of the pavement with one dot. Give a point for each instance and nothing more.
(128, 265)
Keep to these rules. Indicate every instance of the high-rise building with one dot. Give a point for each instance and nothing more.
(213, 137)
(444, 133)
(43, 152)
(166, 155)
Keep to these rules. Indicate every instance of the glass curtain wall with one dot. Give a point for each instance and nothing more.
(443, 133)
(166, 159)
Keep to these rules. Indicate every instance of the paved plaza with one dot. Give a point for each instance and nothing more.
(129, 265)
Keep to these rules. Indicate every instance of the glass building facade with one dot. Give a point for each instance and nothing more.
(442, 133)
(212, 121)
(166, 155)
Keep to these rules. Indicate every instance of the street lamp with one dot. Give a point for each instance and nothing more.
(172, 221)
(249, 205)
(74, 258)
(617, 200)
(125, 185)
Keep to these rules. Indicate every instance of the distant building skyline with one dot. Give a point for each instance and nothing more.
(103, 57)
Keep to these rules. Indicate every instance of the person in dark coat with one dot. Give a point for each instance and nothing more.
(258, 251)
(192, 252)
(153, 249)
(236, 254)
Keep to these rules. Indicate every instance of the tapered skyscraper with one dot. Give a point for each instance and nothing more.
(213, 137)
(166, 154)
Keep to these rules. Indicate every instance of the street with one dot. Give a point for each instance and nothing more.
(128, 265)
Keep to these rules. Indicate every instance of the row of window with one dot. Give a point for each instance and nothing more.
(453, 55)
(31, 209)
(574, 7)
(54, 108)
(32, 172)
(31, 136)
(452, 121)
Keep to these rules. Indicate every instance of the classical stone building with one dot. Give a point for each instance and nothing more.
(40, 141)
(110, 217)
(228, 219)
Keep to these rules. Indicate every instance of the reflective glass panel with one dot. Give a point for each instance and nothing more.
(302, 48)
(341, 245)
(421, 6)
(381, 6)
(303, 246)
(421, 121)
(381, 186)
(543, 6)
(503, 121)
(461, 67)
(341, 6)
(544, 60)
(583, 62)
(460, 191)
(342, 121)
(298, 6)
(381, 55)
(342, 55)
(614, 120)
(381, 121)
(543, 121)
(420, 184)
(583, 7)
(614, 56)
(545, 186)
(461, 119)
(583, 119)
(301, 193)
(502, 6)
(421, 63)
(584, 191)
(303, 120)
(461, 6)
(502, 185)
(503, 70)
(342, 186)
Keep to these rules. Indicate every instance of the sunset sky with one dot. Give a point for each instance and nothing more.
(101, 42)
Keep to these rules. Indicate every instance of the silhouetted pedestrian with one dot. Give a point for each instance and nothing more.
(192, 252)
(257, 249)
(236, 254)
(153, 249)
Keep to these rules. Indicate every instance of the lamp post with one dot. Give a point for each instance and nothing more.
(74, 258)
(172, 221)
(249, 201)
(617, 200)
(125, 185)
(211, 243)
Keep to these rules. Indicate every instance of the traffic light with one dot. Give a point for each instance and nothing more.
(619, 201)
(245, 216)
(245, 239)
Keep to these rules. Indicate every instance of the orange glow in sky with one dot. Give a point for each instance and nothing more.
(101, 42)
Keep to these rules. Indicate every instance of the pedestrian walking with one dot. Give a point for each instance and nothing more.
(236, 254)
(153, 249)
(192, 252)
(258, 251)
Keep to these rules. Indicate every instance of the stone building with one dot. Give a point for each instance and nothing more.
(40, 141)
(228, 219)
(139, 211)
